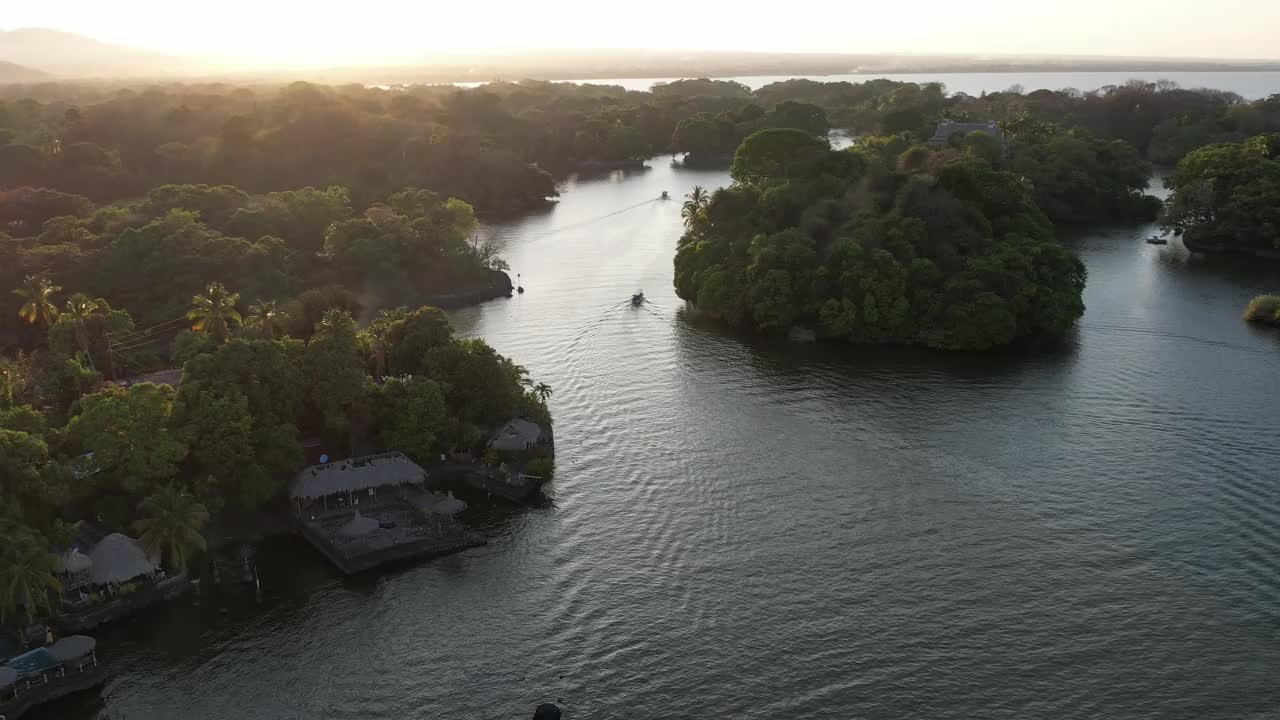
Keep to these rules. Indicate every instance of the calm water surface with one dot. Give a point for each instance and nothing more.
(750, 530)
(1251, 85)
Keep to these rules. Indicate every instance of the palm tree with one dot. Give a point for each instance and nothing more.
(171, 522)
(38, 306)
(265, 317)
(694, 203)
(80, 308)
(543, 391)
(214, 312)
(27, 574)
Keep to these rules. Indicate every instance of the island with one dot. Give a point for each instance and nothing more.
(1226, 198)
(943, 244)
(1264, 310)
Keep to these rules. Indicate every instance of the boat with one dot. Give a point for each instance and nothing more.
(664, 195)
(638, 298)
(1157, 240)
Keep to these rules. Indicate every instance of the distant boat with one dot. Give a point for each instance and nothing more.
(638, 298)
(664, 195)
(1157, 240)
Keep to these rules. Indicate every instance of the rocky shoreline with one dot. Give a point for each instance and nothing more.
(496, 284)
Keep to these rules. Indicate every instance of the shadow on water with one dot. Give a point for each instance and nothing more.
(770, 355)
(610, 174)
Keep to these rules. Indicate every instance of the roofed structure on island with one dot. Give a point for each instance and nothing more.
(72, 647)
(518, 435)
(356, 474)
(119, 558)
(947, 128)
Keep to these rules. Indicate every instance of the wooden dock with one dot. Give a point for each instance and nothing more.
(48, 688)
(403, 532)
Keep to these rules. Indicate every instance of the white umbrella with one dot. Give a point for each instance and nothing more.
(358, 525)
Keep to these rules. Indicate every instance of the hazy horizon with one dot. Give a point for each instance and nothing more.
(240, 34)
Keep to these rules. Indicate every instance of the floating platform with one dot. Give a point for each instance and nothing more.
(56, 688)
(388, 529)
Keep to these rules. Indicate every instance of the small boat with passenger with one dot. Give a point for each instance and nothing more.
(1157, 240)
(637, 298)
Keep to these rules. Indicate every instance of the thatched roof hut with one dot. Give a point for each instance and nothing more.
(72, 647)
(72, 562)
(356, 474)
(517, 436)
(119, 558)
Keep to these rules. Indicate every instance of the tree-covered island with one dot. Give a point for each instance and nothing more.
(945, 245)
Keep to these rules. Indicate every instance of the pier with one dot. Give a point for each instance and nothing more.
(369, 511)
(68, 666)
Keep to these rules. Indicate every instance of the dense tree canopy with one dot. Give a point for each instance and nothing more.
(940, 248)
(158, 461)
(1226, 198)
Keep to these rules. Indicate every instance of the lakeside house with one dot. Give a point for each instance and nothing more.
(520, 437)
(108, 576)
(368, 511)
(947, 128)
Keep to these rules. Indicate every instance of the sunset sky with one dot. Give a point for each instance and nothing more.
(371, 31)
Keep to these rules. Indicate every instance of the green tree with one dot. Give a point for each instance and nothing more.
(27, 572)
(1226, 198)
(37, 301)
(543, 391)
(31, 483)
(171, 524)
(1263, 309)
(80, 308)
(776, 154)
(265, 318)
(335, 369)
(696, 135)
(694, 204)
(215, 312)
(944, 249)
(129, 433)
(410, 414)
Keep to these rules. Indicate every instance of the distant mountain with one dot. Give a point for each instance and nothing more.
(14, 73)
(76, 56)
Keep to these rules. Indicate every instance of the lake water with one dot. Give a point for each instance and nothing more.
(1250, 85)
(746, 529)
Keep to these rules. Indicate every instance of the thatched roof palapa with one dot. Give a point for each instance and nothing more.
(516, 435)
(73, 561)
(72, 647)
(119, 558)
(356, 474)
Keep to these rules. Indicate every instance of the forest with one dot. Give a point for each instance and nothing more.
(1226, 198)
(885, 242)
(269, 240)
(162, 461)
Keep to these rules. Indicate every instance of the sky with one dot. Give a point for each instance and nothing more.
(323, 32)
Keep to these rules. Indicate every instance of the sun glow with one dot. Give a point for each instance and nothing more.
(294, 34)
